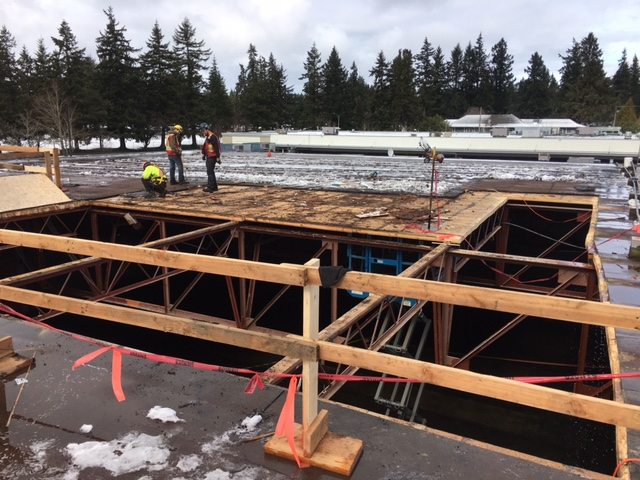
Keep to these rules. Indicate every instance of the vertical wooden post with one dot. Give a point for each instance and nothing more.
(56, 167)
(310, 319)
(47, 165)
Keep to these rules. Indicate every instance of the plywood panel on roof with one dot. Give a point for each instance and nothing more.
(396, 215)
(26, 191)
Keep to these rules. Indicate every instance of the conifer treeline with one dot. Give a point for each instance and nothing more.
(130, 93)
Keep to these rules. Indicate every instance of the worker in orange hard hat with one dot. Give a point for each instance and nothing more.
(174, 152)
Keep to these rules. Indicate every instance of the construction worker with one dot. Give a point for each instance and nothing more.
(154, 180)
(174, 151)
(211, 153)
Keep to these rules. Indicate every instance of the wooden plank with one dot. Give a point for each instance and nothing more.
(48, 272)
(6, 346)
(567, 403)
(310, 322)
(13, 365)
(285, 274)
(292, 345)
(16, 148)
(56, 167)
(335, 453)
(312, 436)
(567, 309)
(521, 260)
(18, 156)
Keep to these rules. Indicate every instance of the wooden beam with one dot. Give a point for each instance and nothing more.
(576, 405)
(16, 148)
(567, 309)
(54, 270)
(518, 259)
(284, 274)
(310, 322)
(289, 345)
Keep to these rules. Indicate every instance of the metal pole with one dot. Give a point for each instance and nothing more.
(433, 174)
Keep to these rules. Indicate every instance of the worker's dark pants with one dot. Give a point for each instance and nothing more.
(176, 161)
(212, 183)
(152, 188)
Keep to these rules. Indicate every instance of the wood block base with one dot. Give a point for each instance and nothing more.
(335, 453)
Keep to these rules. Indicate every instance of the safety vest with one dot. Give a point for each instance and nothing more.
(173, 144)
(209, 147)
(155, 174)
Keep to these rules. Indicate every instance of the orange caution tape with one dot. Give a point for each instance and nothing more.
(116, 375)
(90, 356)
(255, 382)
(286, 425)
(116, 368)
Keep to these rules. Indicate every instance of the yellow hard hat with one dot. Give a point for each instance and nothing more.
(178, 128)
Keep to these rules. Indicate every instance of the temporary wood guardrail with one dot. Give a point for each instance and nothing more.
(311, 350)
(51, 157)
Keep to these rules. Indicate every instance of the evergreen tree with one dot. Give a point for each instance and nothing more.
(26, 124)
(380, 93)
(8, 86)
(457, 104)
(158, 70)
(570, 74)
(312, 89)
(424, 78)
(43, 68)
(627, 118)
(501, 78)
(592, 99)
(74, 72)
(439, 84)
(217, 101)
(191, 57)
(334, 89)
(475, 74)
(621, 81)
(277, 94)
(253, 104)
(117, 80)
(358, 101)
(635, 80)
(403, 104)
(536, 92)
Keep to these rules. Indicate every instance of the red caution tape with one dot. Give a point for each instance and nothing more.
(255, 382)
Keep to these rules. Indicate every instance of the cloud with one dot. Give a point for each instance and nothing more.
(359, 29)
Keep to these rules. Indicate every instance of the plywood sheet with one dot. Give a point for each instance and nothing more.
(26, 191)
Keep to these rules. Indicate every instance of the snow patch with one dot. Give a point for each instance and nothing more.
(164, 414)
(20, 381)
(250, 423)
(86, 428)
(133, 452)
(188, 463)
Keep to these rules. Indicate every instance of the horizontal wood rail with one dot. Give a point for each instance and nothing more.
(579, 311)
(567, 309)
(51, 157)
(581, 406)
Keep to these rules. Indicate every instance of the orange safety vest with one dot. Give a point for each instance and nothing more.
(209, 147)
(172, 145)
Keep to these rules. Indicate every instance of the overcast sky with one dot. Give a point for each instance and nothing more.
(359, 29)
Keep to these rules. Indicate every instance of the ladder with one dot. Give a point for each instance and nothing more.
(397, 397)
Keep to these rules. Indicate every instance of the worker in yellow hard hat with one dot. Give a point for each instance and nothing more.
(174, 152)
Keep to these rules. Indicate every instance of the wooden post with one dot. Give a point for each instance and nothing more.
(47, 165)
(56, 167)
(310, 322)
